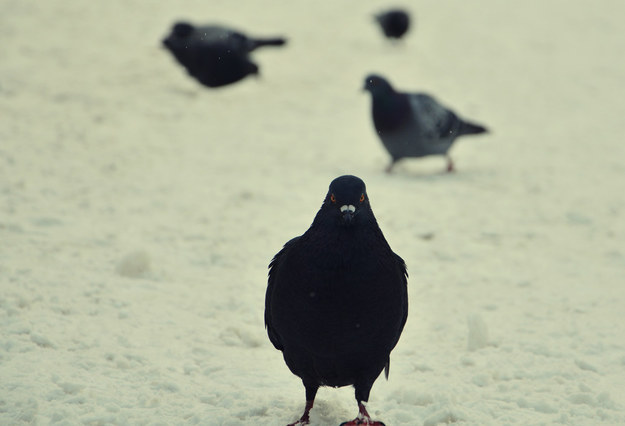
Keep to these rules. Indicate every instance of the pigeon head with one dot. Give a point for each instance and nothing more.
(347, 202)
(179, 36)
(377, 85)
(394, 23)
(182, 29)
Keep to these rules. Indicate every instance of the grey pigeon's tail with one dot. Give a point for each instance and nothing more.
(471, 129)
(259, 42)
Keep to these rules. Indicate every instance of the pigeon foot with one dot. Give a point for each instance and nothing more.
(362, 419)
(450, 166)
(389, 168)
(363, 422)
(305, 419)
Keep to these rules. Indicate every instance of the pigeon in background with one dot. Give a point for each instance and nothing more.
(414, 125)
(236, 40)
(214, 55)
(394, 23)
(336, 300)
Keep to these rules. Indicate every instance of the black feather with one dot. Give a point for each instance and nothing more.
(394, 23)
(214, 55)
(336, 300)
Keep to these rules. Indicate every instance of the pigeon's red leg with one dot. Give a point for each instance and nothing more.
(389, 168)
(305, 419)
(450, 165)
(363, 418)
(311, 392)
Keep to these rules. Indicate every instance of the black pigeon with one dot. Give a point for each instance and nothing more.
(336, 299)
(214, 55)
(414, 125)
(394, 23)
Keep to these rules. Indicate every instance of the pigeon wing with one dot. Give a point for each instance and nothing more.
(274, 265)
(404, 306)
(437, 122)
(402, 266)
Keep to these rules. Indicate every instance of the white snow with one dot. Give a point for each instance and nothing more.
(139, 211)
(478, 333)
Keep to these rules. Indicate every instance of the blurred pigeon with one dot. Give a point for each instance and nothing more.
(214, 55)
(414, 125)
(236, 40)
(394, 23)
(336, 299)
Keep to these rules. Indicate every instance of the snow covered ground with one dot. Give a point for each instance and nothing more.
(139, 211)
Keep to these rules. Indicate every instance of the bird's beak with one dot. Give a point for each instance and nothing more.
(347, 213)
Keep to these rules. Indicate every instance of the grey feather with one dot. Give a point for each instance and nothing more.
(414, 125)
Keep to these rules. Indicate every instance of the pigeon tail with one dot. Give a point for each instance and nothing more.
(259, 42)
(471, 129)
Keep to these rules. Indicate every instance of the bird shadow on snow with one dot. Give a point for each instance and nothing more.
(429, 174)
(185, 92)
(484, 178)
(328, 410)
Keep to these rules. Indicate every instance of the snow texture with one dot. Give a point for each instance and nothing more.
(139, 211)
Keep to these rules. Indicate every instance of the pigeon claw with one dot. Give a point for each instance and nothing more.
(305, 419)
(363, 418)
(365, 422)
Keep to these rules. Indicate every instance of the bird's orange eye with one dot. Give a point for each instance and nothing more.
(332, 198)
(362, 197)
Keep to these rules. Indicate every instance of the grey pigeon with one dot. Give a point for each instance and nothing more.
(214, 55)
(394, 23)
(337, 300)
(414, 125)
